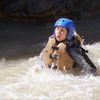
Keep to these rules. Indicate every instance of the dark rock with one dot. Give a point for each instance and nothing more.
(48, 9)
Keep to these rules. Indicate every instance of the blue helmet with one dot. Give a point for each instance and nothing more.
(67, 23)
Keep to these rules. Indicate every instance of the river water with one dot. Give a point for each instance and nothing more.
(21, 75)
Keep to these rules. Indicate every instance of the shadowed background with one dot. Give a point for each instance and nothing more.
(25, 24)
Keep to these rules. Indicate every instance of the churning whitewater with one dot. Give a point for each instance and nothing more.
(25, 79)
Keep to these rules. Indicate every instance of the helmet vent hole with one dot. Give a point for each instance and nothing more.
(63, 20)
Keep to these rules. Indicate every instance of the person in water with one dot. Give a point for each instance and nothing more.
(75, 56)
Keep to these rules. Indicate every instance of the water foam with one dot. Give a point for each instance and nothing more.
(25, 79)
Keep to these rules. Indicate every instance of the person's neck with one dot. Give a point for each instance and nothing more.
(63, 41)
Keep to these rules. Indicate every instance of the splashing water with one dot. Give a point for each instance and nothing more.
(25, 79)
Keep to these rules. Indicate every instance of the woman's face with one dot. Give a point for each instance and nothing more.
(60, 33)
